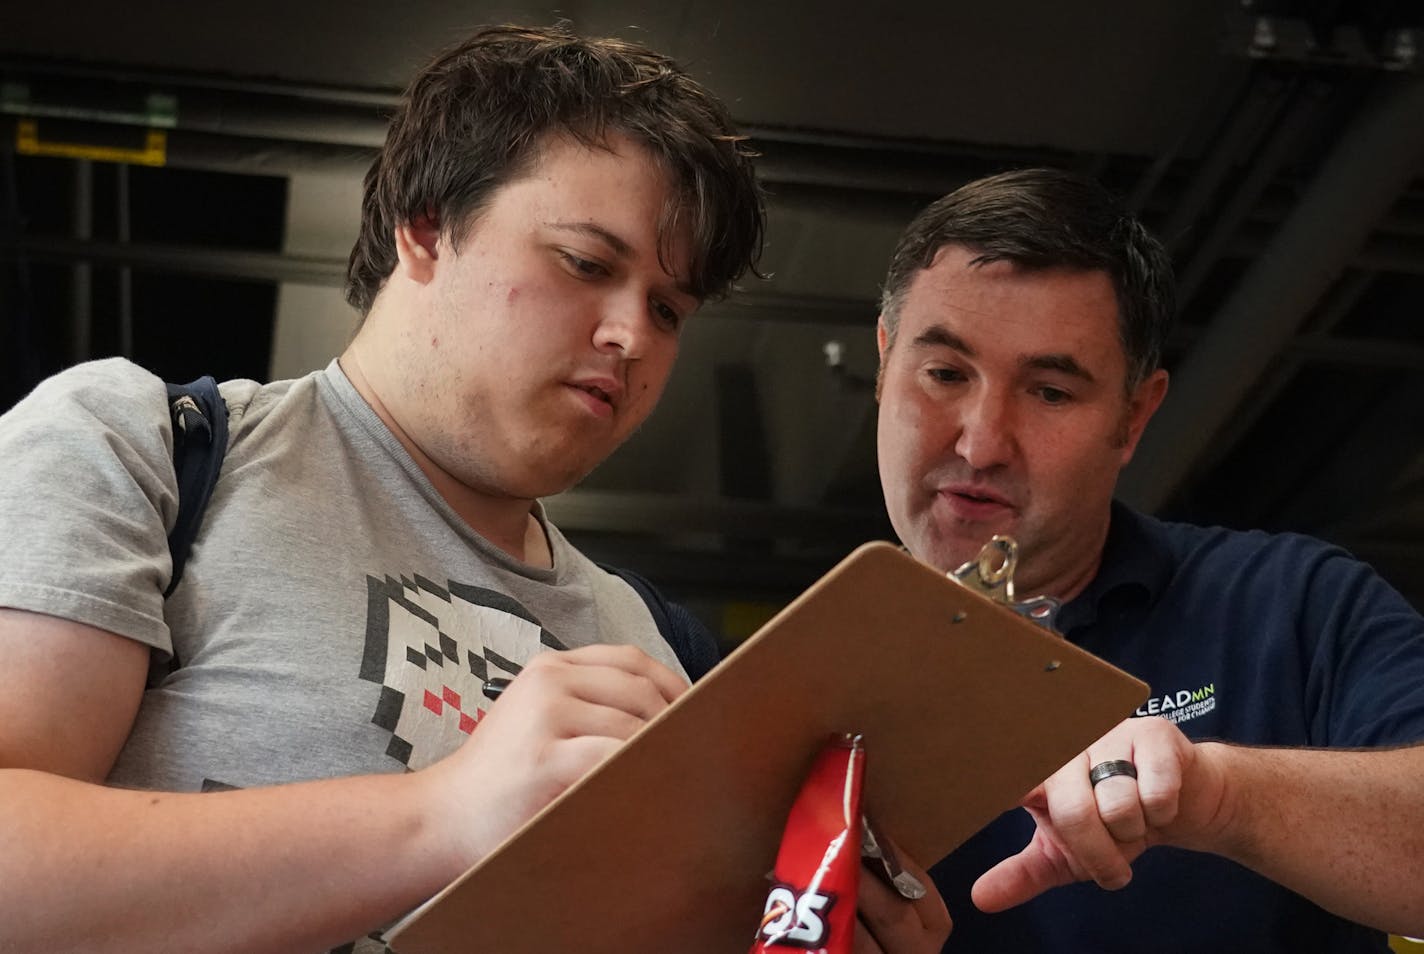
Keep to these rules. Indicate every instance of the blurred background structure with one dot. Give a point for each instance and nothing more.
(180, 184)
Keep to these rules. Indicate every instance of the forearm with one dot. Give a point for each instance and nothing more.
(1343, 828)
(293, 868)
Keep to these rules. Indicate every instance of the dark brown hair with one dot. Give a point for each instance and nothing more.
(1048, 218)
(476, 117)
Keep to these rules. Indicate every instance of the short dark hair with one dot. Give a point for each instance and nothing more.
(1048, 218)
(479, 114)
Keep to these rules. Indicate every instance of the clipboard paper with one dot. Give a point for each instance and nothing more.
(663, 847)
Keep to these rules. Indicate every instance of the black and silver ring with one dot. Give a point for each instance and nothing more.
(1110, 768)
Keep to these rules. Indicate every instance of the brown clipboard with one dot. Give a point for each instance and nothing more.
(964, 705)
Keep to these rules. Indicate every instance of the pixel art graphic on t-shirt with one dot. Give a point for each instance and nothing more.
(431, 648)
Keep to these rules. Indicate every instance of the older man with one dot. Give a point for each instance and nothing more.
(1268, 797)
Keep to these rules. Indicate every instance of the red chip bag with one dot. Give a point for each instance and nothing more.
(812, 901)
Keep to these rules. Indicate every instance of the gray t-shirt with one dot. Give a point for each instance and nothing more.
(335, 617)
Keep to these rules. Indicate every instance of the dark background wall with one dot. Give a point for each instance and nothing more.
(1275, 146)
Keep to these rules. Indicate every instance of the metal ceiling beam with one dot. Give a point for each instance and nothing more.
(1319, 347)
(1251, 118)
(250, 265)
(1380, 253)
(276, 112)
(1299, 117)
(241, 264)
(1375, 161)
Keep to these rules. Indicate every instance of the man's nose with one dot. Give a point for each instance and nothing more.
(624, 326)
(986, 430)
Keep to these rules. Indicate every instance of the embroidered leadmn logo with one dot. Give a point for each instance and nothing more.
(1182, 705)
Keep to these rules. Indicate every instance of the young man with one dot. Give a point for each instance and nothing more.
(1022, 325)
(291, 750)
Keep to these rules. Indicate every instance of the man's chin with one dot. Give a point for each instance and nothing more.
(943, 555)
(950, 552)
(559, 478)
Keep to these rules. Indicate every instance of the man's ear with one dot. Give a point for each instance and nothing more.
(418, 248)
(1145, 401)
(882, 344)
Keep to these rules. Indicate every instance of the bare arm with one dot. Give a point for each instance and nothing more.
(1343, 828)
(299, 867)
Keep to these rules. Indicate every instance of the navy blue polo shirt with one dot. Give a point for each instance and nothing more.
(1243, 637)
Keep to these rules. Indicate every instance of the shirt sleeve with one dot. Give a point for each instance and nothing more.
(87, 492)
(1366, 680)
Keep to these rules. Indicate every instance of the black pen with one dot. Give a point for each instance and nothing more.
(493, 687)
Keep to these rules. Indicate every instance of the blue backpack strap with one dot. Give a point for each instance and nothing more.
(695, 646)
(199, 443)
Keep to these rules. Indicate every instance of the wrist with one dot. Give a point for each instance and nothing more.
(1218, 798)
(442, 838)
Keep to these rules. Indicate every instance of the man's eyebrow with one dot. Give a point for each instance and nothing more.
(621, 249)
(940, 336)
(1064, 363)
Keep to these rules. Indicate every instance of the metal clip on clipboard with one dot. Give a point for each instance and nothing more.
(992, 574)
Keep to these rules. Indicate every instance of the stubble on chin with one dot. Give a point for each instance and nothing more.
(935, 544)
(953, 542)
(952, 552)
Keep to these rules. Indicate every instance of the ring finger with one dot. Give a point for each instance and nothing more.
(1119, 805)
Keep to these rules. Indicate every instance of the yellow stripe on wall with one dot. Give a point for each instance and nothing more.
(153, 152)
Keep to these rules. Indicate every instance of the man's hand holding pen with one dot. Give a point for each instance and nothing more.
(565, 713)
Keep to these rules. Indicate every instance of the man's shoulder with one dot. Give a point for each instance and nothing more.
(108, 383)
(1198, 541)
(98, 409)
(294, 409)
(114, 389)
(1296, 567)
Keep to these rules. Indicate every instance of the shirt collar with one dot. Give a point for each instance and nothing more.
(1135, 567)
